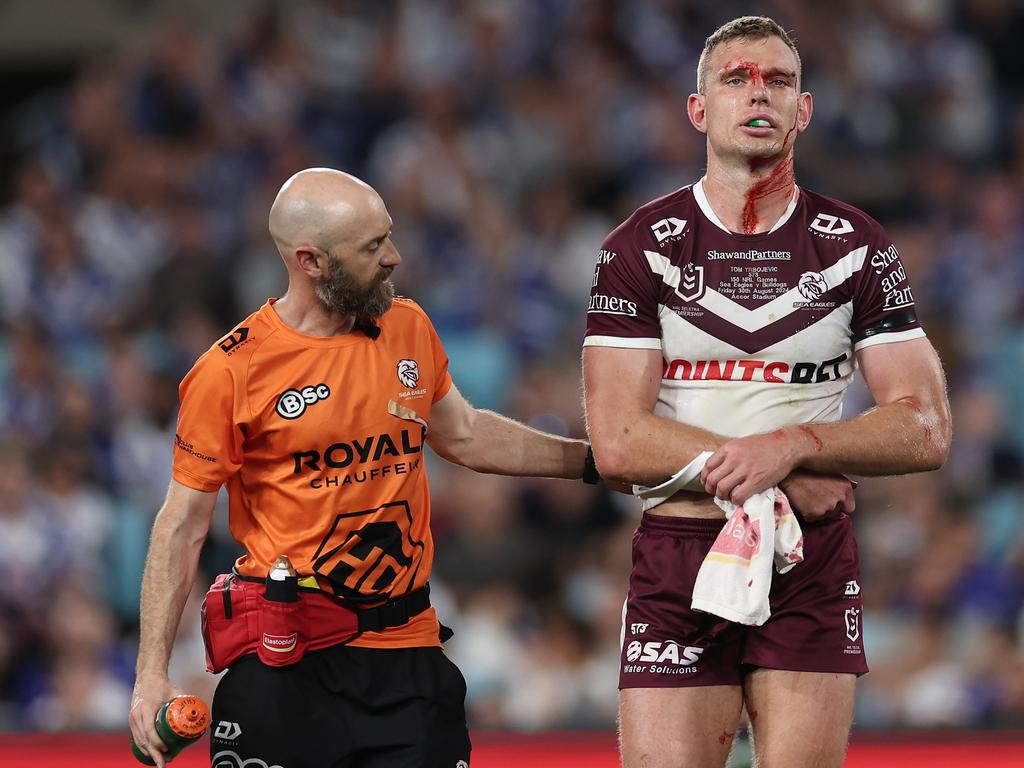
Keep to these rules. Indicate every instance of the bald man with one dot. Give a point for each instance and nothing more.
(313, 412)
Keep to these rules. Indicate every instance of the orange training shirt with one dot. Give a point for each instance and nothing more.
(320, 442)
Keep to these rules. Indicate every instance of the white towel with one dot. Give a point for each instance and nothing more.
(734, 580)
(686, 479)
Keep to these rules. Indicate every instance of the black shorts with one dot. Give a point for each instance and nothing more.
(343, 707)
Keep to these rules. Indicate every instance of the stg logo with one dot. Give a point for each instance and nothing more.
(831, 225)
(666, 228)
(638, 628)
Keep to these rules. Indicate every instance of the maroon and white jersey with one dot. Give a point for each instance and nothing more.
(756, 331)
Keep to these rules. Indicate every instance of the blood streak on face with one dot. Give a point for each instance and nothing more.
(781, 177)
(755, 71)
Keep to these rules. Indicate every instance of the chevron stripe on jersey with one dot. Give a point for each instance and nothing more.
(756, 331)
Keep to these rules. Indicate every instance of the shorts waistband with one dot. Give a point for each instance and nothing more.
(693, 527)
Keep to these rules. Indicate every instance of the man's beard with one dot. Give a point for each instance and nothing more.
(340, 294)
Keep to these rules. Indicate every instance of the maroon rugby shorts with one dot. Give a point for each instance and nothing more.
(815, 626)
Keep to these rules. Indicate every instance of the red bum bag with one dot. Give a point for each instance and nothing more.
(237, 620)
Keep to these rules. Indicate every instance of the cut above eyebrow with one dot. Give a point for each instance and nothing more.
(766, 74)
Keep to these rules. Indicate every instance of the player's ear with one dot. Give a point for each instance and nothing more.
(804, 110)
(311, 260)
(695, 111)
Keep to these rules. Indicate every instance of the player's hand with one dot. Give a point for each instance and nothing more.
(816, 496)
(748, 465)
(151, 691)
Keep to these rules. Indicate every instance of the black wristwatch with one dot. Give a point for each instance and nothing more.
(590, 474)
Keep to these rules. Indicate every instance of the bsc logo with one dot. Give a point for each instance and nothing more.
(292, 403)
(408, 373)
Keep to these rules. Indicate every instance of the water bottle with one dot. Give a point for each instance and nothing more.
(180, 722)
(282, 582)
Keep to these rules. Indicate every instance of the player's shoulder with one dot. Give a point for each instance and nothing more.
(829, 217)
(654, 220)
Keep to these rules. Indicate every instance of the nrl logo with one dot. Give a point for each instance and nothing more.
(691, 283)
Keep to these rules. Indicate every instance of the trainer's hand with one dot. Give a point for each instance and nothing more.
(817, 496)
(152, 689)
(747, 465)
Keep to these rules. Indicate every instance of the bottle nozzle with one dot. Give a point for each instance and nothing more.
(282, 569)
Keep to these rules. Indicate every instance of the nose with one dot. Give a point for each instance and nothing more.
(391, 257)
(758, 92)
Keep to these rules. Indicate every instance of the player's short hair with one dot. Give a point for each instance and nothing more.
(747, 28)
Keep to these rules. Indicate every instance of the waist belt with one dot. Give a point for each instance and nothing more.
(395, 612)
(237, 619)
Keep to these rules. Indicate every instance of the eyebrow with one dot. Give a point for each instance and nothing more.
(766, 74)
(384, 236)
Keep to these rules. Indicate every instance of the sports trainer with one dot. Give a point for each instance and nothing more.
(730, 316)
(313, 412)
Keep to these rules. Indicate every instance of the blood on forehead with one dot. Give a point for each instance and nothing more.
(758, 74)
(744, 65)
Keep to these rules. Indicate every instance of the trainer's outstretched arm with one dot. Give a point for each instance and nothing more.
(178, 534)
(489, 442)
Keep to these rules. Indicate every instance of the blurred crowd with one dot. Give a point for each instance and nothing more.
(507, 138)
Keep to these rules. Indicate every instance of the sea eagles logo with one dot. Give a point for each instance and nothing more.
(812, 285)
(408, 373)
(691, 283)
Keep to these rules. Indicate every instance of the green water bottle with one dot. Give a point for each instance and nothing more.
(180, 722)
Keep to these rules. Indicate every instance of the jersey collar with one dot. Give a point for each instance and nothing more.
(705, 207)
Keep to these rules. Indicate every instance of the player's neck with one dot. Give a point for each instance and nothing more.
(308, 316)
(749, 198)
